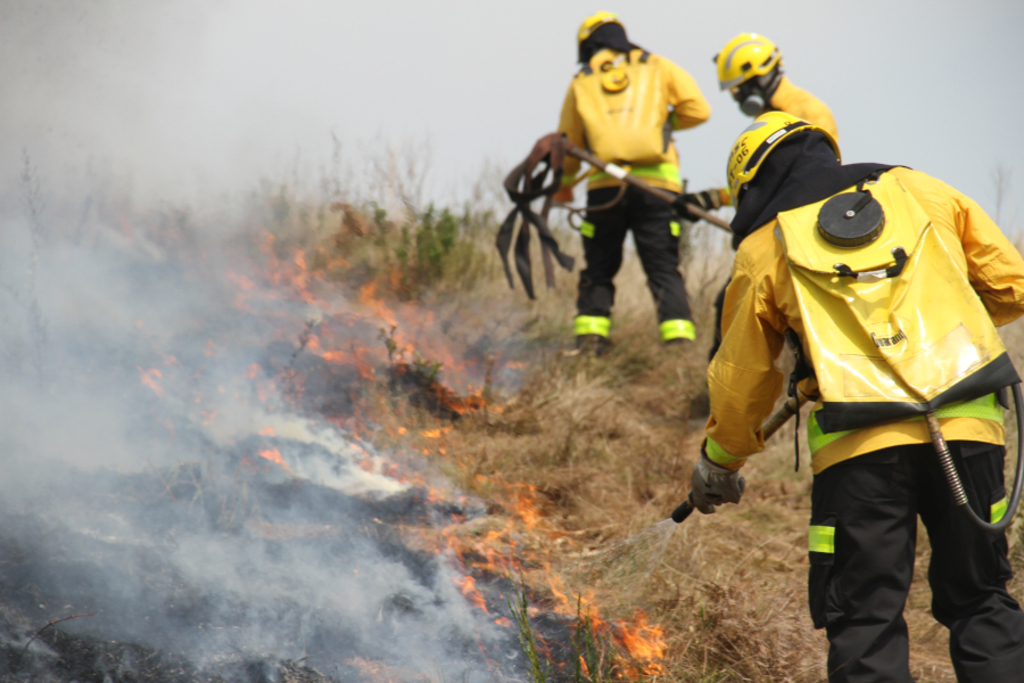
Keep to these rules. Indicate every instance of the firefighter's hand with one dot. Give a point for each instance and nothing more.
(564, 195)
(713, 485)
(708, 200)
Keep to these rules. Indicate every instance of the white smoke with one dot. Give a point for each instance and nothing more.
(138, 411)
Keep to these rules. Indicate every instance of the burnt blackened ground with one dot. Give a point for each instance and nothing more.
(234, 576)
(55, 656)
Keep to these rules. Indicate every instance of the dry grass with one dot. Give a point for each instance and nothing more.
(608, 443)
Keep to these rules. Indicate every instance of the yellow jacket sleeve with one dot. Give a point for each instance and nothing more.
(792, 100)
(689, 108)
(995, 268)
(743, 381)
(571, 124)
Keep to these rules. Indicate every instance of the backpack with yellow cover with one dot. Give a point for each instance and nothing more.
(893, 327)
(623, 102)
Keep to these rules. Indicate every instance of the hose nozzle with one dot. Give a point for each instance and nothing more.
(683, 511)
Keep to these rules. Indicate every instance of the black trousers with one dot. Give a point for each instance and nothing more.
(858, 592)
(650, 220)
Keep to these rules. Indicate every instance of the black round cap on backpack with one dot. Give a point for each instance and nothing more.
(851, 219)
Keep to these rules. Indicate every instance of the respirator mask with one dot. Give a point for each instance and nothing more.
(754, 95)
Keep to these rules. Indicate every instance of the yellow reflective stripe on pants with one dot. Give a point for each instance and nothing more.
(592, 324)
(673, 226)
(821, 539)
(984, 408)
(666, 171)
(677, 329)
(587, 229)
(997, 511)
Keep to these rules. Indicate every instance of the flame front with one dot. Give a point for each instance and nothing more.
(645, 642)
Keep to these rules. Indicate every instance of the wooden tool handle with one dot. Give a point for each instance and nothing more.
(618, 172)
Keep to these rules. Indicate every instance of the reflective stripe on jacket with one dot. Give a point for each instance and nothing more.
(760, 304)
(688, 109)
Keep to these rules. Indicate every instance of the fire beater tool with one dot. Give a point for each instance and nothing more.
(529, 181)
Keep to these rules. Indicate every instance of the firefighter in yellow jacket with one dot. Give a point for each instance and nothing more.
(750, 67)
(623, 106)
(892, 284)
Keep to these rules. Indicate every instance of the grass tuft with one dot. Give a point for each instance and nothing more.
(519, 605)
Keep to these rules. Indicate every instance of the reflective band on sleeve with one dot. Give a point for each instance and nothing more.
(674, 227)
(592, 324)
(717, 454)
(615, 171)
(677, 329)
(997, 511)
(984, 408)
(821, 539)
(587, 229)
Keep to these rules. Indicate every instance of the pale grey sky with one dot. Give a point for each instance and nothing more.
(210, 94)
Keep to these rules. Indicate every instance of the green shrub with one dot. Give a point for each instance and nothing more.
(439, 250)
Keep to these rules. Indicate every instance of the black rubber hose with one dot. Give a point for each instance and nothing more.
(957, 489)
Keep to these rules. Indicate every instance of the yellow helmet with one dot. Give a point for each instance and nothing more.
(744, 57)
(593, 22)
(757, 141)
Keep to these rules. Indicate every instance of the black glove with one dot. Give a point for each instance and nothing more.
(708, 200)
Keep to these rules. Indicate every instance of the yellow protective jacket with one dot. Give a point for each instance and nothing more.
(796, 102)
(760, 305)
(676, 103)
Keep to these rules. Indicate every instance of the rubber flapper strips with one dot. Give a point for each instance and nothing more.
(524, 185)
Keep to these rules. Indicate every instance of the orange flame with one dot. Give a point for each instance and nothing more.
(645, 643)
(301, 279)
(149, 378)
(274, 456)
(526, 505)
(467, 586)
